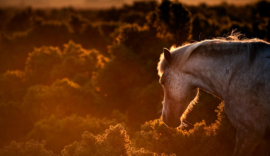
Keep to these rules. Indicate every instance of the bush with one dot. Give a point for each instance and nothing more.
(14, 124)
(113, 142)
(62, 98)
(40, 62)
(55, 130)
(31, 148)
(13, 86)
(77, 62)
(217, 139)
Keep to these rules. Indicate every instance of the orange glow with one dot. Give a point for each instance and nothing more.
(78, 77)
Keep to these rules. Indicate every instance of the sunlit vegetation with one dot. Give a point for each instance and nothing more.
(84, 82)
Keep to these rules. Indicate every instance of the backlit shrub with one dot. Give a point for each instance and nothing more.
(31, 148)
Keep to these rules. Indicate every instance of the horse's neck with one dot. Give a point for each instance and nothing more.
(213, 74)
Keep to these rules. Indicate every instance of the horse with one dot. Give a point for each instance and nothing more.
(236, 71)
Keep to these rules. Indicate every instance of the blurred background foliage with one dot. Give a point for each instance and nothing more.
(84, 82)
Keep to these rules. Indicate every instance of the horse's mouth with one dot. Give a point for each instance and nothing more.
(171, 122)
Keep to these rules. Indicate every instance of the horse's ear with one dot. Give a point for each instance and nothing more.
(167, 55)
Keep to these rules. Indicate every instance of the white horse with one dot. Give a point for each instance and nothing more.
(237, 72)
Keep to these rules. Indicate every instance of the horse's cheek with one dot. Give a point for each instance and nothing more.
(174, 93)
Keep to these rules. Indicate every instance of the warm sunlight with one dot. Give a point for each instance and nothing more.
(79, 77)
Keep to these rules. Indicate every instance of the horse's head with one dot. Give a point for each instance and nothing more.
(178, 91)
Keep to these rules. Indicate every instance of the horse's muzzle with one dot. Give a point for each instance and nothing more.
(171, 122)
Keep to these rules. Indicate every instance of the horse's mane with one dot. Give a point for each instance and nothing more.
(181, 54)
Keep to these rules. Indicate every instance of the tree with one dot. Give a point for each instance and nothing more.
(173, 19)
